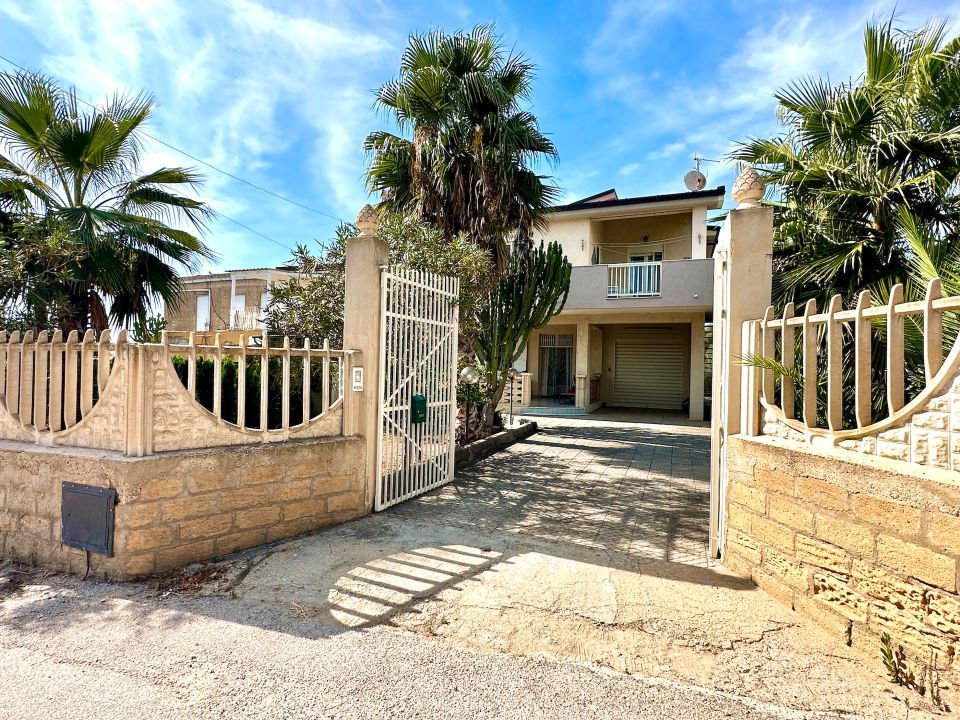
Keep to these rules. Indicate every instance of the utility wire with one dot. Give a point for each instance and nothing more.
(212, 167)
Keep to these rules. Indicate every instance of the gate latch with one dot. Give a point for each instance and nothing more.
(418, 409)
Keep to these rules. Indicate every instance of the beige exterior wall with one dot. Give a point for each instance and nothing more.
(679, 235)
(861, 546)
(575, 235)
(670, 234)
(179, 507)
(597, 355)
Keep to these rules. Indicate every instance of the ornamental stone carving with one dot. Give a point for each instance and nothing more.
(368, 221)
(748, 189)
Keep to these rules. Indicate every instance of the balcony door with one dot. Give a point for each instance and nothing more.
(645, 277)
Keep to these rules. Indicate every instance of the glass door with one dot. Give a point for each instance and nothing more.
(645, 278)
(556, 371)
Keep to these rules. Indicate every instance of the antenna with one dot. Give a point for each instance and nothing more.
(695, 180)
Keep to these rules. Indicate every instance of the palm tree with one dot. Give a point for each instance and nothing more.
(854, 156)
(79, 169)
(469, 165)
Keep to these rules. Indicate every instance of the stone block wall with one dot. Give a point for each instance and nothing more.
(179, 507)
(861, 545)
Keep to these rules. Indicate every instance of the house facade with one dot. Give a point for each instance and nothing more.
(632, 331)
(230, 300)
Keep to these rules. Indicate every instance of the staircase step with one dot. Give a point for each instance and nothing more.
(547, 411)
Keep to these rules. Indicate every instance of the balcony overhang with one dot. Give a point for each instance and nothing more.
(684, 285)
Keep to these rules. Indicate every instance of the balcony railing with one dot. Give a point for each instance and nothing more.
(633, 280)
(247, 318)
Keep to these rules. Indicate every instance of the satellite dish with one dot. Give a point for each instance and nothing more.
(695, 180)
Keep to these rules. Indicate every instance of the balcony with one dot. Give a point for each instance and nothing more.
(667, 284)
(633, 280)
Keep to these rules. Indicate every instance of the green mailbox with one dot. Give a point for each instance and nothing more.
(418, 409)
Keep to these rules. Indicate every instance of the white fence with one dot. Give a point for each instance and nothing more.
(50, 383)
(835, 349)
(140, 398)
(305, 380)
(633, 280)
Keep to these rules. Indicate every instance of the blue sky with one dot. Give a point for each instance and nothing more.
(279, 93)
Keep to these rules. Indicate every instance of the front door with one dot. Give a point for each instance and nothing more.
(556, 371)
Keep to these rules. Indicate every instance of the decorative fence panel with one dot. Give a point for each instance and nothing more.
(49, 383)
(812, 377)
(140, 398)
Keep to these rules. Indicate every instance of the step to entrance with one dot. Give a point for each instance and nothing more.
(544, 411)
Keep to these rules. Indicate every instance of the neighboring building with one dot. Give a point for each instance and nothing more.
(631, 333)
(231, 300)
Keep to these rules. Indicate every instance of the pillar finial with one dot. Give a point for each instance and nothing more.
(368, 221)
(748, 189)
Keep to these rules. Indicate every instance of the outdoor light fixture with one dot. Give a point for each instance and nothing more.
(469, 376)
(513, 374)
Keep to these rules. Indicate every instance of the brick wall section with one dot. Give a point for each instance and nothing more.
(179, 507)
(184, 316)
(859, 545)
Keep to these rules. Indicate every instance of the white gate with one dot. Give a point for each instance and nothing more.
(418, 357)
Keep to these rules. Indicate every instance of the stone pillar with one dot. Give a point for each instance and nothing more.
(366, 254)
(742, 286)
(582, 364)
(696, 368)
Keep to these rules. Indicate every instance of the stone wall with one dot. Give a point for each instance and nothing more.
(179, 507)
(861, 545)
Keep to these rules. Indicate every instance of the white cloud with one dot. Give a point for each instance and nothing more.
(705, 111)
(270, 95)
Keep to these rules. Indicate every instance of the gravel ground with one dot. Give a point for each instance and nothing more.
(81, 649)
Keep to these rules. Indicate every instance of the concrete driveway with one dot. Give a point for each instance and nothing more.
(566, 576)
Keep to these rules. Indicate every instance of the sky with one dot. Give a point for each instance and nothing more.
(280, 93)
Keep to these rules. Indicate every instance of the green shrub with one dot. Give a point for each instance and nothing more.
(229, 372)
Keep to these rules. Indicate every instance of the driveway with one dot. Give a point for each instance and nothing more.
(566, 576)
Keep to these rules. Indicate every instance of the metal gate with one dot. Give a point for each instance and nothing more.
(418, 383)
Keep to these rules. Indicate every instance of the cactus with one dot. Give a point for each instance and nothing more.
(527, 296)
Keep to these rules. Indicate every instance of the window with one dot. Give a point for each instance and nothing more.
(203, 311)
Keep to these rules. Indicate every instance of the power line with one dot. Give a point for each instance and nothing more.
(255, 232)
(208, 164)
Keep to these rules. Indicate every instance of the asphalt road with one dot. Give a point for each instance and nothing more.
(72, 649)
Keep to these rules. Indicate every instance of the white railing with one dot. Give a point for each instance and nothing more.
(247, 318)
(796, 341)
(633, 280)
(141, 398)
(303, 381)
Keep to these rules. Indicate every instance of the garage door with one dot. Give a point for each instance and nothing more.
(648, 370)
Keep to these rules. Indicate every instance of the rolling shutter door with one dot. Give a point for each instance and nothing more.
(649, 372)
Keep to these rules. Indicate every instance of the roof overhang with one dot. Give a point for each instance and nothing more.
(640, 206)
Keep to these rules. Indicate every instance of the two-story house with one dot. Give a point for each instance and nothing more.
(224, 301)
(631, 333)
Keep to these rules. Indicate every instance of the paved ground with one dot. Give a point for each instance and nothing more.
(564, 577)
